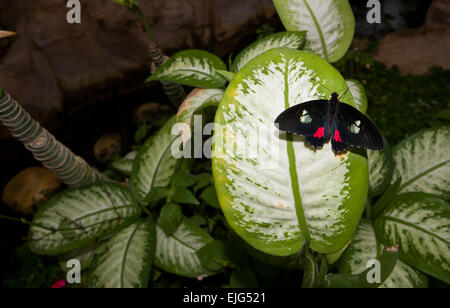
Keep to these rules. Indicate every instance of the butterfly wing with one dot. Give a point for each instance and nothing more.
(304, 119)
(357, 130)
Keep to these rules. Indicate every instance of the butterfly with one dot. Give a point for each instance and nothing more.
(322, 120)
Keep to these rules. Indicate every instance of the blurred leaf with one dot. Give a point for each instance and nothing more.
(203, 180)
(184, 196)
(158, 193)
(170, 218)
(184, 179)
(141, 133)
(130, 4)
(213, 256)
(125, 165)
(444, 115)
(199, 220)
(227, 75)
(209, 195)
(311, 272)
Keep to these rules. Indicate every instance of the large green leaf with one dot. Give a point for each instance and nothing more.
(381, 166)
(156, 163)
(423, 162)
(281, 192)
(364, 248)
(420, 224)
(293, 40)
(77, 217)
(177, 254)
(330, 24)
(195, 68)
(127, 259)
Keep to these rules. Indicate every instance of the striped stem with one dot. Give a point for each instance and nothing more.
(174, 92)
(53, 155)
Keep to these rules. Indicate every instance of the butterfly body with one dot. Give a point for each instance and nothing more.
(323, 120)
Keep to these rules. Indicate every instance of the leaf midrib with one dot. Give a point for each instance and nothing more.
(207, 74)
(413, 226)
(293, 169)
(125, 254)
(319, 29)
(423, 174)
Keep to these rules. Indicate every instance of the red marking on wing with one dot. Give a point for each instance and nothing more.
(320, 133)
(337, 136)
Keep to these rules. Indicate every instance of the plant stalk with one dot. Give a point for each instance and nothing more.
(61, 161)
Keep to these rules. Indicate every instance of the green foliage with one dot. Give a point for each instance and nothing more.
(238, 224)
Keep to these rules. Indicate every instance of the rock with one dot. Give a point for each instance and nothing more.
(395, 16)
(108, 147)
(151, 114)
(415, 51)
(53, 66)
(29, 189)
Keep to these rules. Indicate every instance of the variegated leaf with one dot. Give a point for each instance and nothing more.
(359, 94)
(127, 259)
(277, 192)
(177, 254)
(420, 224)
(125, 165)
(365, 248)
(156, 161)
(423, 162)
(198, 99)
(293, 40)
(77, 217)
(85, 255)
(330, 24)
(155, 164)
(194, 68)
(381, 167)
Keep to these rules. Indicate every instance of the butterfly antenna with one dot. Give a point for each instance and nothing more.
(358, 83)
(321, 96)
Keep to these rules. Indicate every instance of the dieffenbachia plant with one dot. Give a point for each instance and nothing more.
(292, 206)
(108, 226)
(303, 196)
(289, 198)
(330, 24)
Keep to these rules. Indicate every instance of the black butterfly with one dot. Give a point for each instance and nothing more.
(322, 120)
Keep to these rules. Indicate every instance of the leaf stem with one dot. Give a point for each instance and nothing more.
(145, 23)
(19, 220)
